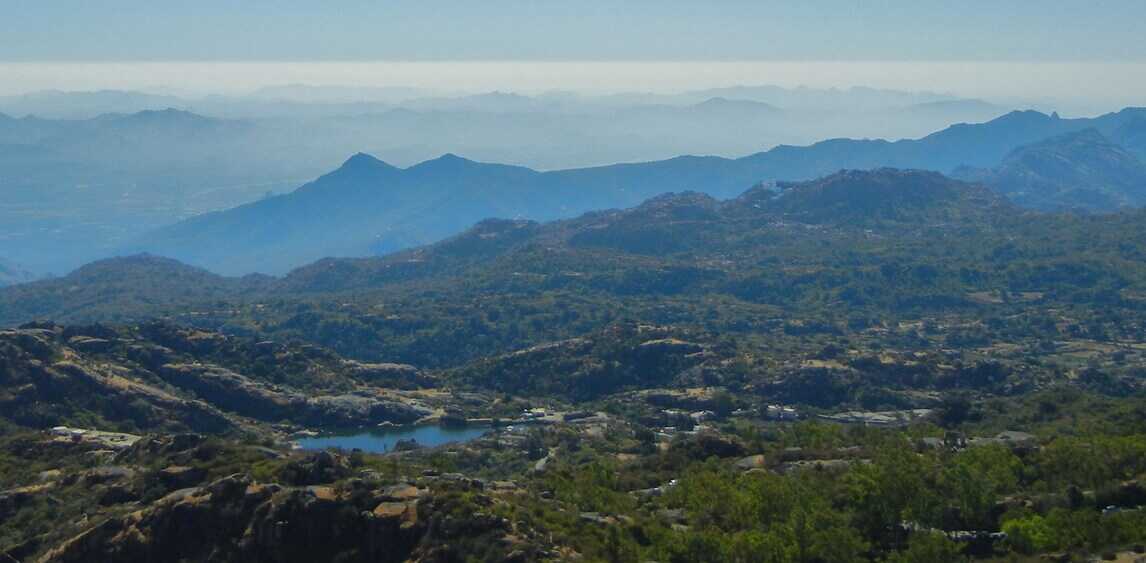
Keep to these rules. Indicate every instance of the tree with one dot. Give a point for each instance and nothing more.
(723, 403)
(976, 477)
(928, 547)
(953, 410)
(896, 487)
(1029, 535)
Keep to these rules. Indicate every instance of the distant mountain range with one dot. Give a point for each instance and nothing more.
(85, 172)
(370, 207)
(888, 200)
(689, 224)
(290, 99)
(1082, 170)
(881, 240)
(81, 189)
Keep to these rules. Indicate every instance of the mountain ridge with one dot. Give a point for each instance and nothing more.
(1081, 171)
(900, 203)
(386, 208)
(750, 261)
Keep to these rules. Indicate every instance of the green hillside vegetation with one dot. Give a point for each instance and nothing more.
(963, 380)
(771, 257)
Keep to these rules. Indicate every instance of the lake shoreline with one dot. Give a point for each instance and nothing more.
(387, 439)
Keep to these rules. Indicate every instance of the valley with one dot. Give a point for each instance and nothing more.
(572, 282)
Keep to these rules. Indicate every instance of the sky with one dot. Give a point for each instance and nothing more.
(915, 30)
(997, 48)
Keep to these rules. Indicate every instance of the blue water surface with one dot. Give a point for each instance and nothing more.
(381, 441)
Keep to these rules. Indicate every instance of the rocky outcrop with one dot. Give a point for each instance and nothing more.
(181, 476)
(670, 346)
(229, 390)
(237, 519)
(89, 344)
(751, 462)
(157, 377)
(396, 376)
(321, 467)
(354, 410)
(44, 384)
(12, 500)
(620, 356)
(248, 397)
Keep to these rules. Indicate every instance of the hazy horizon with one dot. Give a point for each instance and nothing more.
(391, 79)
(1066, 86)
(1083, 57)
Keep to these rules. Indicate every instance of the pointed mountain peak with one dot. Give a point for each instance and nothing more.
(360, 169)
(363, 159)
(448, 161)
(450, 157)
(362, 162)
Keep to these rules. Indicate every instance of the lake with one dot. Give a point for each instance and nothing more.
(383, 440)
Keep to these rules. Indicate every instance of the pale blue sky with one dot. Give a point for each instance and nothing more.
(911, 30)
